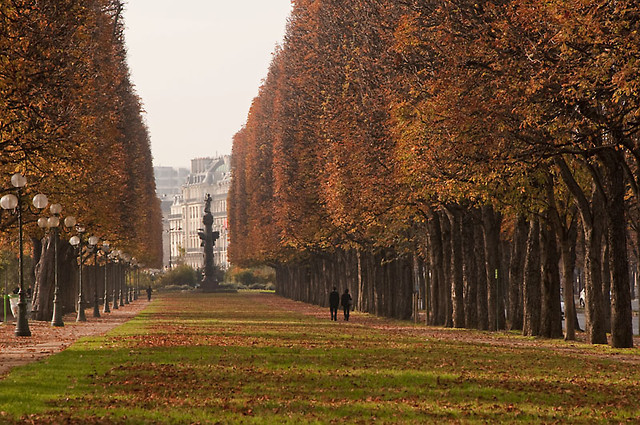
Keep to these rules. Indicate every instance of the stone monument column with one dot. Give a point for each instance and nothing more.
(209, 282)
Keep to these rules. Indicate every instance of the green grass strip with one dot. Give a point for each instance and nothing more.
(255, 358)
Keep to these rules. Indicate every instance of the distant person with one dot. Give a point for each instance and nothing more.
(346, 301)
(334, 302)
(149, 293)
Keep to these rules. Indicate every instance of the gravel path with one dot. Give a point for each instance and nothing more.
(46, 339)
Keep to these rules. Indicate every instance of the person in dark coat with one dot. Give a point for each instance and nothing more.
(149, 293)
(346, 301)
(334, 302)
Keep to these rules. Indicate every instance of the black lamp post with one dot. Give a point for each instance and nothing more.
(140, 267)
(116, 278)
(53, 223)
(106, 250)
(121, 277)
(135, 278)
(14, 202)
(76, 241)
(93, 248)
(127, 278)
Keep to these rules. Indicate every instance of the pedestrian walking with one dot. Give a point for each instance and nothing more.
(149, 293)
(346, 302)
(334, 302)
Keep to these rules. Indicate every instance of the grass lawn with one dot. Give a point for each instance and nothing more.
(256, 358)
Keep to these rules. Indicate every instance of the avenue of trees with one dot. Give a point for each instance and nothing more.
(482, 153)
(70, 121)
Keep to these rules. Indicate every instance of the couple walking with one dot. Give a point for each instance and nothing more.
(335, 299)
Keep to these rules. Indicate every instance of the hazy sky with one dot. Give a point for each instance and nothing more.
(197, 65)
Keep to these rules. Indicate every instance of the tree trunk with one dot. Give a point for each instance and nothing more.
(351, 267)
(491, 221)
(575, 271)
(369, 280)
(567, 263)
(595, 324)
(389, 274)
(551, 318)
(531, 290)
(505, 261)
(448, 274)
(377, 281)
(637, 270)
(45, 275)
(42, 307)
(591, 212)
(470, 271)
(457, 282)
(516, 274)
(403, 273)
(363, 302)
(606, 285)
(621, 327)
(483, 308)
(436, 266)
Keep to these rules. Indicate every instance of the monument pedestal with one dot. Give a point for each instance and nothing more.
(209, 285)
(209, 237)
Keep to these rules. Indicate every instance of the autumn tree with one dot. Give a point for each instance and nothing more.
(70, 121)
(459, 147)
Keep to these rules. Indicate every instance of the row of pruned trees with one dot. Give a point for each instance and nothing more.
(478, 151)
(71, 122)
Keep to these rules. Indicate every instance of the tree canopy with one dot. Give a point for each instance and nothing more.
(71, 122)
(432, 133)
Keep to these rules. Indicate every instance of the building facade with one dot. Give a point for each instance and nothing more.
(208, 176)
(169, 181)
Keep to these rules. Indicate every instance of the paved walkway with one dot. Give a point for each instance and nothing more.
(46, 339)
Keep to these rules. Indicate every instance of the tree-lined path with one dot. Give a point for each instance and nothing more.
(259, 358)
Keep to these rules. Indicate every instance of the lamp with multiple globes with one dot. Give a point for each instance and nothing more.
(13, 202)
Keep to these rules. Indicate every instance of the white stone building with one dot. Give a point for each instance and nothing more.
(169, 181)
(208, 176)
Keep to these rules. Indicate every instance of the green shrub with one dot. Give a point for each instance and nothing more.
(245, 277)
(181, 275)
(253, 278)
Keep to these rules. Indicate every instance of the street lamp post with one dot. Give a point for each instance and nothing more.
(127, 283)
(14, 202)
(123, 279)
(118, 301)
(116, 278)
(77, 242)
(135, 278)
(93, 247)
(127, 276)
(105, 250)
(53, 223)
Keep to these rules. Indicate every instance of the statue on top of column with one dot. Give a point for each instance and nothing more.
(208, 236)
